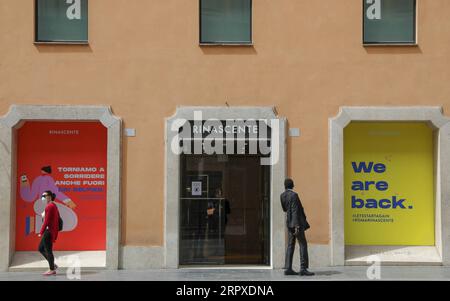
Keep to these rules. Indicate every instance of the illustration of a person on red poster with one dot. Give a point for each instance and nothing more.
(43, 183)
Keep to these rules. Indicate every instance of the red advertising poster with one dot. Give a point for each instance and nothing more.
(69, 159)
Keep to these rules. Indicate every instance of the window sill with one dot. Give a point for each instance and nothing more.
(390, 44)
(61, 43)
(227, 44)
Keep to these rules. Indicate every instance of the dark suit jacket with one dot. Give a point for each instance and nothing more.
(295, 214)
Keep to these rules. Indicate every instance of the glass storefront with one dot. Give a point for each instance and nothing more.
(389, 185)
(224, 210)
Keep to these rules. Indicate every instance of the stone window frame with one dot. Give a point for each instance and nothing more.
(8, 125)
(441, 125)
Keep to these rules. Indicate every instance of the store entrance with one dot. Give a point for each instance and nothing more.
(224, 210)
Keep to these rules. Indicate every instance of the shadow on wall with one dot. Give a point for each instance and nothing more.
(228, 49)
(394, 49)
(63, 48)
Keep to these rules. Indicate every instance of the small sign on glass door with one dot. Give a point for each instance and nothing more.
(196, 188)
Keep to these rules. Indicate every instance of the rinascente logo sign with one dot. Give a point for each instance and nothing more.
(227, 137)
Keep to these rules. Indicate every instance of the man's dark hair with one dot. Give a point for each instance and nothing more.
(288, 183)
(49, 192)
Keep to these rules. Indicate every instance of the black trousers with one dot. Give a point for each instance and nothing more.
(300, 237)
(46, 249)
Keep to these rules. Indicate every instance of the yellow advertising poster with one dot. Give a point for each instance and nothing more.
(389, 184)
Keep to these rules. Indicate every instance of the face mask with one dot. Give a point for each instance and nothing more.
(43, 199)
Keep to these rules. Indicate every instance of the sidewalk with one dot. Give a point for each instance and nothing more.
(323, 274)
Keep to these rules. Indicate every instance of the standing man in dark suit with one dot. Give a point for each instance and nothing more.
(297, 225)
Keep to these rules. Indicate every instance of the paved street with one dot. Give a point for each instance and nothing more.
(324, 274)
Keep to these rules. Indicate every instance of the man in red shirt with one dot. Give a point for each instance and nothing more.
(49, 231)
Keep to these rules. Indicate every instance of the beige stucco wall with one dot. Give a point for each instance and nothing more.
(143, 59)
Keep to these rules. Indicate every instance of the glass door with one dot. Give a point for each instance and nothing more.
(224, 210)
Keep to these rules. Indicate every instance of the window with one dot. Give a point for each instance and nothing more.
(225, 21)
(389, 22)
(64, 21)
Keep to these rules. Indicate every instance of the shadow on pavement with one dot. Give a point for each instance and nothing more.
(327, 273)
(82, 273)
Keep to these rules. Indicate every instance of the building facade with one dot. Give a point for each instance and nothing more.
(354, 94)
